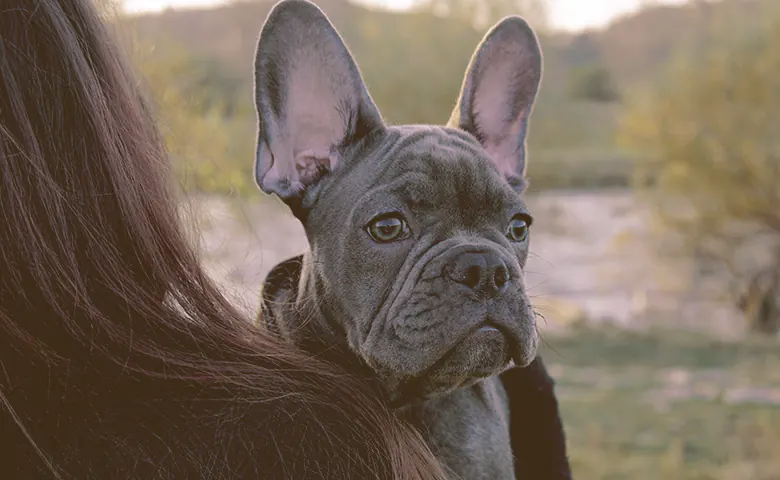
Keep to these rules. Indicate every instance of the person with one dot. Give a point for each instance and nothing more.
(120, 358)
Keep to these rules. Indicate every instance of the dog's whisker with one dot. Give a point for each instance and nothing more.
(548, 344)
(536, 255)
(539, 284)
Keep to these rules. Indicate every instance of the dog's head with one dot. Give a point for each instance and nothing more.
(418, 234)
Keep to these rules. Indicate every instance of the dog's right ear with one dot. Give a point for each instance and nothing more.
(310, 98)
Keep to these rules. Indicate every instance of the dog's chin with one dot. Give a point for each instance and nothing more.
(484, 353)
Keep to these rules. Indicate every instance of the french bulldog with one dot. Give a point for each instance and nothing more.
(418, 235)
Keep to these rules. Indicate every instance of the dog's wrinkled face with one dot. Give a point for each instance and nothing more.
(418, 234)
(425, 243)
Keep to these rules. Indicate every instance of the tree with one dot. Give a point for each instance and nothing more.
(583, 50)
(209, 152)
(711, 130)
(593, 83)
(483, 13)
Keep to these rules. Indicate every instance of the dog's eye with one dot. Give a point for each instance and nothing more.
(388, 228)
(517, 230)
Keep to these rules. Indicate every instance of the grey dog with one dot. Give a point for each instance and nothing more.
(418, 234)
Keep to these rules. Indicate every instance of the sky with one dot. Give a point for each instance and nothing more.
(564, 14)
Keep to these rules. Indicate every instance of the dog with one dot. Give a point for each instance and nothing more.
(418, 239)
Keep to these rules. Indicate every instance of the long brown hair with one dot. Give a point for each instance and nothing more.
(119, 356)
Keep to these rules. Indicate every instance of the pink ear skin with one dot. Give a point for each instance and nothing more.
(310, 99)
(498, 95)
(310, 164)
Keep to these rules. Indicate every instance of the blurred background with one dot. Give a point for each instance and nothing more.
(655, 185)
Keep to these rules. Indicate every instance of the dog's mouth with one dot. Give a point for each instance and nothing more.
(517, 349)
(488, 328)
(485, 350)
(485, 331)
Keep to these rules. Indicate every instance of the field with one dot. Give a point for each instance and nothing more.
(661, 390)
(668, 405)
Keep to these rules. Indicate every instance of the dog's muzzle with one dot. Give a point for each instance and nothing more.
(481, 274)
(464, 316)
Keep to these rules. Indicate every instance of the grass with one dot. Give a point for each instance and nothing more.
(668, 405)
(581, 168)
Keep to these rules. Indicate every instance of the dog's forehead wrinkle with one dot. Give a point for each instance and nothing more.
(418, 140)
(437, 181)
(452, 167)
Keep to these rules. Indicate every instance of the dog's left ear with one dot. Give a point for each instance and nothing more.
(311, 100)
(498, 95)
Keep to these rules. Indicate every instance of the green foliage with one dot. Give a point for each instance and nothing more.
(395, 60)
(637, 47)
(583, 50)
(210, 151)
(581, 169)
(711, 131)
(593, 83)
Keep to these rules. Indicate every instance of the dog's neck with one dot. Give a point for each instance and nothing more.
(293, 307)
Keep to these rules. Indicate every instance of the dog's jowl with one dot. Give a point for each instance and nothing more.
(418, 234)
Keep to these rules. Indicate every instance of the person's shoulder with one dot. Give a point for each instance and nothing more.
(315, 440)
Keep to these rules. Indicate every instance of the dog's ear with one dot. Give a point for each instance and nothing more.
(310, 98)
(498, 94)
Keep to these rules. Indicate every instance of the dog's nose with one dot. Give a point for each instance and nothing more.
(484, 273)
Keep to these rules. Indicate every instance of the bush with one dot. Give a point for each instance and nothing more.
(580, 169)
(711, 132)
(211, 150)
(595, 84)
